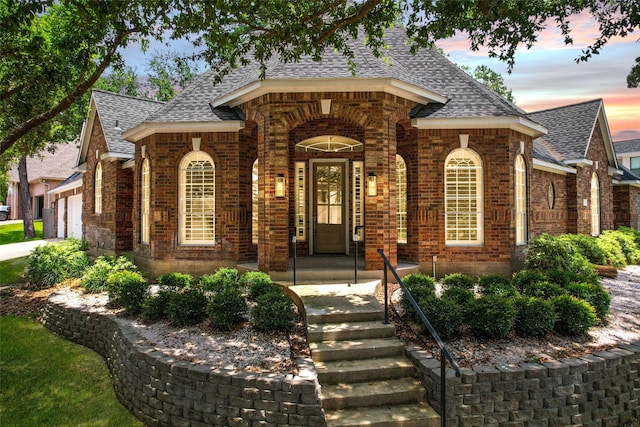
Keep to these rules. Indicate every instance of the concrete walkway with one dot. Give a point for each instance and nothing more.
(22, 249)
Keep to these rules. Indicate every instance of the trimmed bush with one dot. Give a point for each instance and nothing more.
(420, 286)
(595, 295)
(187, 307)
(494, 284)
(548, 253)
(612, 249)
(574, 316)
(444, 315)
(544, 290)
(127, 289)
(53, 263)
(257, 284)
(627, 245)
(461, 296)
(534, 316)
(227, 308)
(492, 317)
(522, 279)
(587, 246)
(222, 279)
(156, 307)
(175, 280)
(95, 277)
(458, 280)
(273, 312)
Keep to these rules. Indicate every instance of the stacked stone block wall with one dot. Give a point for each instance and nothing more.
(598, 390)
(163, 391)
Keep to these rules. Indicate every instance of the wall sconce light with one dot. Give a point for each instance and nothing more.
(280, 186)
(372, 184)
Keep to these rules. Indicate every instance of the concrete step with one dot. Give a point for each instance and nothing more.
(349, 331)
(362, 349)
(345, 371)
(417, 415)
(344, 315)
(374, 393)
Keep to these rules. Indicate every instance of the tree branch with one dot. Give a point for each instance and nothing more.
(367, 7)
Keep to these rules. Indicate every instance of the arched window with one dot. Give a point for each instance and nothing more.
(595, 205)
(401, 205)
(521, 200)
(463, 195)
(197, 199)
(254, 203)
(145, 201)
(97, 193)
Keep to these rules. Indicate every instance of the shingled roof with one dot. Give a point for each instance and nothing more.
(628, 146)
(47, 166)
(426, 72)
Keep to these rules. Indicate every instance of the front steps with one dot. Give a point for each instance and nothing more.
(366, 378)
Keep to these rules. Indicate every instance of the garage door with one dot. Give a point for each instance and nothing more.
(74, 217)
(62, 203)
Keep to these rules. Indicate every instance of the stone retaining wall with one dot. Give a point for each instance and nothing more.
(602, 389)
(163, 391)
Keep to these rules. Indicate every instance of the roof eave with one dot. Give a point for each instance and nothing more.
(129, 164)
(62, 188)
(145, 129)
(579, 162)
(112, 156)
(378, 84)
(632, 183)
(552, 167)
(516, 123)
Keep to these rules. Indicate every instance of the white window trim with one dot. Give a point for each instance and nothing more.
(197, 156)
(97, 196)
(401, 199)
(358, 198)
(595, 204)
(145, 202)
(255, 224)
(521, 200)
(466, 153)
(300, 202)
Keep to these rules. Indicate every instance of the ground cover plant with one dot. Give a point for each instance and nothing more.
(12, 270)
(14, 232)
(53, 381)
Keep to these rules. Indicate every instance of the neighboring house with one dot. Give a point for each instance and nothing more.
(627, 187)
(68, 207)
(434, 166)
(45, 171)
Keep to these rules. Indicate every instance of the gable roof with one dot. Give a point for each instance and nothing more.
(627, 147)
(443, 90)
(116, 113)
(570, 131)
(47, 166)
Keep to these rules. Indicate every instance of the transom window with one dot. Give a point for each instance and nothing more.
(463, 195)
(521, 201)
(329, 144)
(401, 204)
(98, 189)
(595, 205)
(145, 202)
(197, 199)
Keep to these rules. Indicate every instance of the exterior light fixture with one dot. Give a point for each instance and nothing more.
(280, 186)
(372, 184)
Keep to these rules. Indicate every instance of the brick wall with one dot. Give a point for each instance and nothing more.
(162, 391)
(550, 219)
(625, 208)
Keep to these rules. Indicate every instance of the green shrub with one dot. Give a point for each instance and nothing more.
(156, 307)
(127, 289)
(53, 263)
(587, 246)
(458, 280)
(223, 278)
(461, 296)
(595, 295)
(544, 290)
(492, 316)
(95, 277)
(635, 234)
(273, 311)
(420, 286)
(257, 284)
(627, 245)
(534, 316)
(612, 249)
(548, 253)
(227, 308)
(494, 284)
(523, 278)
(175, 280)
(445, 316)
(574, 316)
(187, 307)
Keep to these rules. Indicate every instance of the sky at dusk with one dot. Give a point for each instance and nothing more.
(546, 76)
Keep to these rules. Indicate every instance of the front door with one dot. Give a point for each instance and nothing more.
(329, 217)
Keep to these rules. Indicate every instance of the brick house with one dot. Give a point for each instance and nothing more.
(410, 155)
(627, 187)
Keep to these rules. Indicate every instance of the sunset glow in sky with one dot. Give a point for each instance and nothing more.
(547, 76)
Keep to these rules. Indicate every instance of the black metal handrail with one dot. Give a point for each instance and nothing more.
(444, 352)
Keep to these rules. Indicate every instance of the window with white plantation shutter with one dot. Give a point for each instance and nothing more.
(97, 193)
(401, 205)
(145, 202)
(197, 199)
(463, 195)
(595, 205)
(254, 203)
(521, 200)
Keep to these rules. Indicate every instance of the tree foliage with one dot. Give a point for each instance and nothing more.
(53, 51)
(490, 79)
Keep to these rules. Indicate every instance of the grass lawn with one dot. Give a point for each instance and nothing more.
(47, 380)
(11, 270)
(14, 233)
